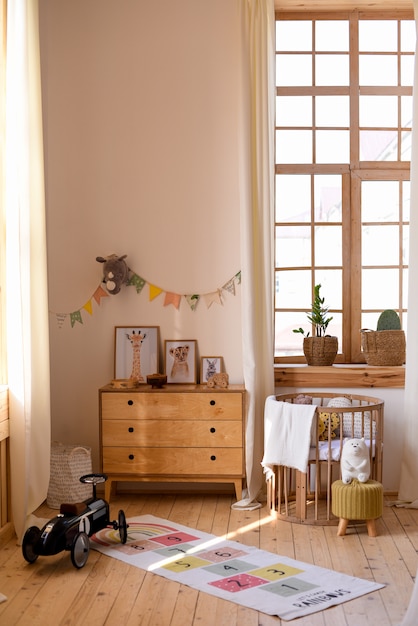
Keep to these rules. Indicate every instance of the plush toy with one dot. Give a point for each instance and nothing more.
(302, 399)
(115, 272)
(323, 422)
(219, 380)
(355, 461)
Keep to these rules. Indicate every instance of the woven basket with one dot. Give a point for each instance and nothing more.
(68, 463)
(384, 347)
(320, 350)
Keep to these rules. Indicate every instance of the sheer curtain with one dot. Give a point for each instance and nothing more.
(256, 132)
(26, 281)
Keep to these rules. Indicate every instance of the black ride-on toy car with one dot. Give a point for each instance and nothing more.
(72, 527)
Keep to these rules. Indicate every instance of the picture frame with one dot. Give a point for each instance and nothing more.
(210, 365)
(146, 349)
(180, 360)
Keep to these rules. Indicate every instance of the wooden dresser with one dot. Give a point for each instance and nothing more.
(180, 433)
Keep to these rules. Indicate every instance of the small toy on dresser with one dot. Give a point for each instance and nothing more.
(221, 379)
(355, 461)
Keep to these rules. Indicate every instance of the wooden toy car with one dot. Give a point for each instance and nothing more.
(72, 527)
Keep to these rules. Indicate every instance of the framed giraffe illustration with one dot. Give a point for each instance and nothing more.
(136, 352)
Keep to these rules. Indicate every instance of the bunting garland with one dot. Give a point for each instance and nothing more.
(170, 297)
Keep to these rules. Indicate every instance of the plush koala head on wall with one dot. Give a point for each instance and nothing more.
(115, 272)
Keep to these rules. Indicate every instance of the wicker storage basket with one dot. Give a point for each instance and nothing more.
(384, 347)
(68, 463)
(320, 350)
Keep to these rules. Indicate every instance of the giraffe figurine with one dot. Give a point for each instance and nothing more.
(136, 341)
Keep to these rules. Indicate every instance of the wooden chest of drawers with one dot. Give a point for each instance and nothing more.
(181, 433)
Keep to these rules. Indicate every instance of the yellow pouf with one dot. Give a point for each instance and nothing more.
(357, 501)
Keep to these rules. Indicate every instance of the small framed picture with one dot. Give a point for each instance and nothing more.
(136, 352)
(180, 360)
(210, 365)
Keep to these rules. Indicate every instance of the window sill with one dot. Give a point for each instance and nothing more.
(360, 376)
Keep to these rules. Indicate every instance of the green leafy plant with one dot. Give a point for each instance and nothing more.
(318, 316)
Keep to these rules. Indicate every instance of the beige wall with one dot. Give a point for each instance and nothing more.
(140, 106)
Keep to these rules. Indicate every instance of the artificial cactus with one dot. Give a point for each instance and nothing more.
(389, 320)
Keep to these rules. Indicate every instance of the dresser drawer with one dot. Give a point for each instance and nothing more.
(172, 433)
(202, 406)
(173, 461)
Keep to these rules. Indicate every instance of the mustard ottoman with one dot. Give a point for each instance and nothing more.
(357, 501)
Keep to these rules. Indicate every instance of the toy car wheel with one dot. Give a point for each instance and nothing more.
(80, 550)
(30, 539)
(123, 527)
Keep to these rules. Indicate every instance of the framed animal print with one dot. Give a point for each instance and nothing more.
(180, 360)
(210, 365)
(136, 352)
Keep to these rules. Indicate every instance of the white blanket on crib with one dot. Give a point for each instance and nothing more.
(287, 434)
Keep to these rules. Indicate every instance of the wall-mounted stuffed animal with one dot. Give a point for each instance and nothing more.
(115, 272)
(355, 461)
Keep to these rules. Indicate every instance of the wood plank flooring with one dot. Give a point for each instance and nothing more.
(108, 592)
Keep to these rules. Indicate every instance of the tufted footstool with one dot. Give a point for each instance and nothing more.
(357, 501)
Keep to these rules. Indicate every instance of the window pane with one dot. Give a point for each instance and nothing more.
(380, 245)
(406, 111)
(328, 198)
(378, 69)
(380, 201)
(331, 35)
(406, 137)
(405, 245)
(287, 342)
(406, 197)
(328, 244)
(293, 70)
(294, 111)
(373, 296)
(294, 146)
(293, 246)
(378, 145)
(293, 289)
(332, 111)
(379, 111)
(332, 69)
(293, 198)
(407, 70)
(332, 146)
(293, 35)
(331, 288)
(378, 35)
(408, 36)
(404, 293)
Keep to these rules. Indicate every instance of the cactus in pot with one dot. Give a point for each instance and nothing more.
(386, 346)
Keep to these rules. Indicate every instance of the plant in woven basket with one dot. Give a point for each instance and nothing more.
(386, 345)
(320, 349)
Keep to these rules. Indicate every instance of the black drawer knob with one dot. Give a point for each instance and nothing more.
(130, 429)
(131, 457)
(130, 402)
(213, 457)
(213, 430)
(212, 402)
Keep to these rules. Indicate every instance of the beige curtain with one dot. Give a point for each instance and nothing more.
(26, 283)
(256, 132)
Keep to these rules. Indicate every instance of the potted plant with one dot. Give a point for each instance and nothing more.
(320, 349)
(386, 345)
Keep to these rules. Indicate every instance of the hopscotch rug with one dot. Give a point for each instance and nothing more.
(254, 578)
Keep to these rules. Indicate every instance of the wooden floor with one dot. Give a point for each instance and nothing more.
(107, 591)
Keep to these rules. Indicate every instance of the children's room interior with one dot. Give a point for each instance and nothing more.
(208, 312)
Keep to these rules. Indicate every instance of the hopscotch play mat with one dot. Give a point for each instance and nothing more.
(254, 578)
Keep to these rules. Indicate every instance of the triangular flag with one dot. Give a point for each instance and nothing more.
(137, 282)
(210, 298)
(192, 300)
(75, 317)
(172, 298)
(238, 277)
(230, 286)
(61, 319)
(154, 292)
(100, 293)
(88, 307)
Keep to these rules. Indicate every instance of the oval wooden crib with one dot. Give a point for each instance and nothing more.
(301, 497)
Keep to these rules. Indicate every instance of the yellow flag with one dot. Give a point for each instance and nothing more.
(154, 292)
(88, 307)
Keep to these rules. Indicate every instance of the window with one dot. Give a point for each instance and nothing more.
(343, 139)
(3, 378)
